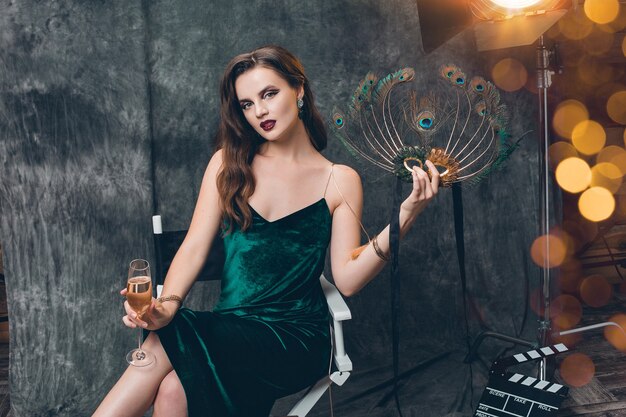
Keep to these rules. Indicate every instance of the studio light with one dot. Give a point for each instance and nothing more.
(497, 24)
(503, 9)
(515, 4)
(509, 23)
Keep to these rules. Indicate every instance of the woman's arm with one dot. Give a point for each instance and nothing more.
(192, 253)
(351, 275)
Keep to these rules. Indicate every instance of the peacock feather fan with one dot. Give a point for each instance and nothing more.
(460, 125)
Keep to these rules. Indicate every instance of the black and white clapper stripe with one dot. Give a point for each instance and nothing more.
(529, 381)
(515, 395)
(500, 365)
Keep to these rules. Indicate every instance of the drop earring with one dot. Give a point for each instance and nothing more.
(300, 104)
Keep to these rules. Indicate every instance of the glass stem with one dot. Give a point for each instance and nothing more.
(139, 339)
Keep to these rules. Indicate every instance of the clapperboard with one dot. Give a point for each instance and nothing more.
(509, 394)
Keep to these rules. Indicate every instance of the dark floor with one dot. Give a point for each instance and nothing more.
(605, 395)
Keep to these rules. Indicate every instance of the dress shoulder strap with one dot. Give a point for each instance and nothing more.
(329, 176)
(332, 176)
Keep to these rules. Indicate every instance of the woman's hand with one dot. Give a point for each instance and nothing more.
(424, 189)
(158, 315)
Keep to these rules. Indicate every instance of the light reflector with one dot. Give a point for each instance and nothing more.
(515, 4)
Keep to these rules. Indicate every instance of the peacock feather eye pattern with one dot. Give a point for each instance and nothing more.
(447, 71)
(425, 120)
(426, 123)
(461, 126)
(458, 78)
(481, 108)
(338, 119)
(478, 84)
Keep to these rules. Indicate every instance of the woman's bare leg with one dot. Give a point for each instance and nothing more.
(134, 392)
(170, 399)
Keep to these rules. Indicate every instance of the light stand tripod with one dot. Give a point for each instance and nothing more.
(544, 80)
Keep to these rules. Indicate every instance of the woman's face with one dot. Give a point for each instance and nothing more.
(268, 102)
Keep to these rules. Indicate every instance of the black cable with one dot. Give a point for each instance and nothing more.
(457, 200)
(616, 264)
(394, 244)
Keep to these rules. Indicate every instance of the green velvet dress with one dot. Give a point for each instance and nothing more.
(269, 334)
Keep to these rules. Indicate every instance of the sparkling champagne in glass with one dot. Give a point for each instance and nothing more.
(139, 296)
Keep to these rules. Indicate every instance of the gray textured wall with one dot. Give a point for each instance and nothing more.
(91, 92)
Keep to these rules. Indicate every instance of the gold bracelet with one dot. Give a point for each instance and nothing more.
(172, 297)
(378, 251)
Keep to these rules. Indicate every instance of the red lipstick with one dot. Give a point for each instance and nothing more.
(268, 125)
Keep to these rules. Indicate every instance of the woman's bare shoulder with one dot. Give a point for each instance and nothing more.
(346, 175)
(215, 163)
(348, 187)
(217, 157)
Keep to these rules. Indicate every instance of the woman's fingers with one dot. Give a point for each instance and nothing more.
(132, 316)
(128, 323)
(425, 186)
(131, 319)
(420, 182)
(150, 310)
(434, 173)
(123, 292)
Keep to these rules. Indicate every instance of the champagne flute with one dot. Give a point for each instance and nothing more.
(139, 296)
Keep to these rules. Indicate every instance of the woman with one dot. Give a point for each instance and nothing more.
(279, 203)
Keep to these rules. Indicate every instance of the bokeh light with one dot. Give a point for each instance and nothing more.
(596, 204)
(573, 175)
(571, 276)
(606, 175)
(588, 137)
(567, 115)
(616, 107)
(602, 92)
(509, 74)
(615, 155)
(560, 151)
(594, 72)
(614, 335)
(577, 369)
(573, 56)
(566, 311)
(602, 11)
(616, 25)
(620, 208)
(598, 43)
(531, 83)
(581, 229)
(551, 245)
(575, 25)
(595, 291)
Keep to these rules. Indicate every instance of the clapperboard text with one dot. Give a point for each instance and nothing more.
(510, 395)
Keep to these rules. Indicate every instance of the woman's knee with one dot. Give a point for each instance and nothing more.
(170, 396)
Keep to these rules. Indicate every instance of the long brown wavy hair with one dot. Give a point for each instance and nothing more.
(240, 142)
